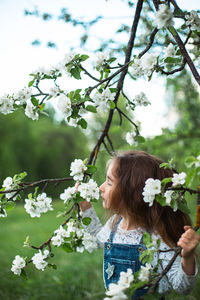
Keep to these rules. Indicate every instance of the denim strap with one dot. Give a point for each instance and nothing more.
(112, 233)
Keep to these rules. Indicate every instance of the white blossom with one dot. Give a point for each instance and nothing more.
(130, 137)
(42, 204)
(101, 60)
(77, 169)
(168, 196)
(80, 249)
(23, 95)
(89, 242)
(136, 70)
(6, 104)
(148, 61)
(65, 63)
(72, 122)
(152, 187)
(178, 179)
(126, 278)
(31, 110)
(102, 99)
(64, 105)
(115, 289)
(54, 91)
(164, 16)
(170, 51)
(18, 264)
(60, 235)
(68, 58)
(68, 194)
(141, 99)
(193, 20)
(8, 184)
(89, 190)
(144, 272)
(39, 260)
(197, 163)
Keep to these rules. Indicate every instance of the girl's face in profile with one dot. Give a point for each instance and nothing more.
(107, 187)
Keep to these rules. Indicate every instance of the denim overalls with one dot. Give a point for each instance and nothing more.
(120, 257)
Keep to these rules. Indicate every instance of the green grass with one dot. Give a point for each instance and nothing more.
(78, 276)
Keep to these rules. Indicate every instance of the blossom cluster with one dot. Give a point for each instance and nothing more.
(88, 191)
(144, 272)
(164, 17)
(102, 99)
(116, 291)
(18, 264)
(144, 65)
(81, 239)
(9, 184)
(35, 206)
(39, 259)
(193, 20)
(77, 169)
(141, 100)
(152, 188)
(101, 60)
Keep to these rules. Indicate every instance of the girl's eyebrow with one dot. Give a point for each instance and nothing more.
(109, 178)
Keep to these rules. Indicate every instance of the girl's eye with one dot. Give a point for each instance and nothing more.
(109, 183)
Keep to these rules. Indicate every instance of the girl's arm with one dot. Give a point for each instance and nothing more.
(188, 242)
(95, 227)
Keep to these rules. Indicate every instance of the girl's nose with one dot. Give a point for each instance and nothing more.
(101, 187)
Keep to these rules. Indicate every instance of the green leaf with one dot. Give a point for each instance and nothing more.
(182, 205)
(112, 59)
(91, 169)
(140, 139)
(190, 177)
(82, 123)
(113, 90)
(31, 82)
(53, 266)
(23, 175)
(164, 165)
(34, 101)
(147, 239)
(67, 248)
(161, 199)
(190, 161)
(10, 205)
(23, 274)
(112, 104)
(86, 221)
(172, 60)
(165, 181)
(75, 72)
(91, 108)
(84, 57)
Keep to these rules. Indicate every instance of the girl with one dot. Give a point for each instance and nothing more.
(122, 235)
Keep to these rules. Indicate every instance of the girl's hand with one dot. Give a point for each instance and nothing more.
(188, 241)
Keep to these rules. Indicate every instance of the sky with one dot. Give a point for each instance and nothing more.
(18, 58)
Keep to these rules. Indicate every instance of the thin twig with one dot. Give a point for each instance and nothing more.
(25, 185)
(151, 40)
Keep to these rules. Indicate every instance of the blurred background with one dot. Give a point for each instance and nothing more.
(39, 33)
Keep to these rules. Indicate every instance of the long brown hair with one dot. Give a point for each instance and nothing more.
(132, 169)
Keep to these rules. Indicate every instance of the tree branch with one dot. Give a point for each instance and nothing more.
(123, 71)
